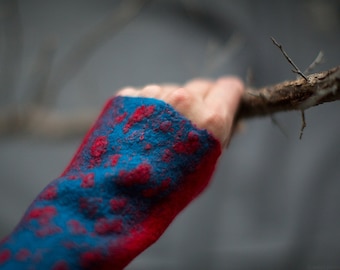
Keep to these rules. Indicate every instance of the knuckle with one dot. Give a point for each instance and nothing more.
(181, 97)
(151, 90)
(127, 91)
(215, 119)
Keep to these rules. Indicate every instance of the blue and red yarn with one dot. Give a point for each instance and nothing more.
(137, 168)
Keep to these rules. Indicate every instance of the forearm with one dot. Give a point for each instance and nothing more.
(137, 168)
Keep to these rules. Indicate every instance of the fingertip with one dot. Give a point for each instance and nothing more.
(231, 83)
(227, 94)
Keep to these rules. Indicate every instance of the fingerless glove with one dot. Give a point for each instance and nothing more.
(136, 169)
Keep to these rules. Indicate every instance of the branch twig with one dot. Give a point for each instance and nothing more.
(304, 124)
(296, 69)
(317, 61)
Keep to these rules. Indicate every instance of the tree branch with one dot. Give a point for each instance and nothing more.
(299, 95)
(286, 96)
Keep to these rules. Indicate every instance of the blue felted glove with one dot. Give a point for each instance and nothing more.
(136, 169)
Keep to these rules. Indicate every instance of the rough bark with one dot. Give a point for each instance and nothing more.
(300, 94)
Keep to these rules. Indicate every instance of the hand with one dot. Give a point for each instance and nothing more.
(123, 188)
(210, 105)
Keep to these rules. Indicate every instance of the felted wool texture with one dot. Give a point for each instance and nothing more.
(139, 165)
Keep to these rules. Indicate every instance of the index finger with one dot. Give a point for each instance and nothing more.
(224, 97)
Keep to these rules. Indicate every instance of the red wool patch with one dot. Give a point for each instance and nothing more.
(49, 193)
(43, 214)
(87, 181)
(106, 226)
(4, 256)
(114, 159)
(188, 147)
(90, 258)
(140, 175)
(97, 150)
(70, 245)
(72, 177)
(76, 227)
(139, 114)
(120, 118)
(148, 146)
(167, 155)
(60, 265)
(98, 147)
(23, 254)
(89, 206)
(118, 204)
(48, 230)
(165, 126)
(151, 192)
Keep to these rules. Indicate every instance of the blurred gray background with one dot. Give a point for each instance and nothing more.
(274, 202)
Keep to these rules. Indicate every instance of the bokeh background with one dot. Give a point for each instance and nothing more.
(274, 202)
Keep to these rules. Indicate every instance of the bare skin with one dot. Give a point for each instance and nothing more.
(209, 104)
